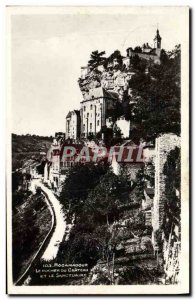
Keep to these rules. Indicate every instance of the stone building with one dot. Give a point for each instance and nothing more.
(73, 125)
(84, 71)
(95, 108)
(163, 145)
(124, 126)
(102, 88)
(53, 174)
(147, 52)
(52, 166)
(57, 165)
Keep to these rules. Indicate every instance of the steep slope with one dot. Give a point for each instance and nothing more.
(25, 147)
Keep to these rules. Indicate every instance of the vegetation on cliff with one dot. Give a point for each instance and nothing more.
(172, 172)
(149, 96)
(25, 147)
(31, 222)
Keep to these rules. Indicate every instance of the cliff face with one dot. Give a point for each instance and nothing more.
(113, 78)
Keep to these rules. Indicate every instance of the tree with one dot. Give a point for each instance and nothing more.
(140, 184)
(81, 248)
(117, 135)
(17, 179)
(102, 204)
(164, 57)
(172, 172)
(156, 98)
(96, 59)
(138, 49)
(116, 55)
(138, 64)
(91, 136)
(79, 181)
(108, 238)
(117, 111)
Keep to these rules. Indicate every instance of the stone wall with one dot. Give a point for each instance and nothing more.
(163, 145)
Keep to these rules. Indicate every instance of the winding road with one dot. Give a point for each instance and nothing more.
(60, 224)
(54, 236)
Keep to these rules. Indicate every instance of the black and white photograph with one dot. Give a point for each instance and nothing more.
(98, 160)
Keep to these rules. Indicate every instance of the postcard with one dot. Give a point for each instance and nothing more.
(98, 150)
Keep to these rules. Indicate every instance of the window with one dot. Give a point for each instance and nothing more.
(84, 126)
(90, 126)
(91, 106)
(98, 122)
(84, 108)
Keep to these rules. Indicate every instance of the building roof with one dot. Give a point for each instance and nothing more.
(157, 36)
(35, 164)
(77, 112)
(30, 163)
(69, 114)
(110, 94)
(100, 92)
(151, 51)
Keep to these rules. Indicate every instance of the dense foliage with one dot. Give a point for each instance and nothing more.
(172, 172)
(153, 105)
(25, 147)
(97, 58)
(93, 195)
(102, 203)
(31, 221)
(81, 179)
(156, 97)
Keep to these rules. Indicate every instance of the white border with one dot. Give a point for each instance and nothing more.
(132, 289)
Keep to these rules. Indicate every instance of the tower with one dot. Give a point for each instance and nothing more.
(157, 43)
(157, 40)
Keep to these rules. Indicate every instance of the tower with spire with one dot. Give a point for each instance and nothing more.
(157, 42)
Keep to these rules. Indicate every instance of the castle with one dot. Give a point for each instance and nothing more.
(147, 52)
(102, 89)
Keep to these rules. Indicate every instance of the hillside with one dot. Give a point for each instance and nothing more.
(31, 223)
(25, 147)
(140, 88)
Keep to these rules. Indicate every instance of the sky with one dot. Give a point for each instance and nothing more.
(48, 50)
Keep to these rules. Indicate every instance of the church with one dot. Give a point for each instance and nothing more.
(147, 52)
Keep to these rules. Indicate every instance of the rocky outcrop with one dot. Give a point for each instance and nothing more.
(115, 80)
